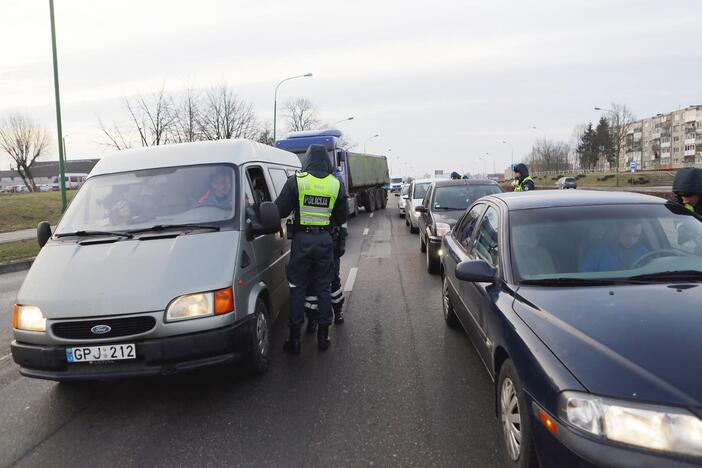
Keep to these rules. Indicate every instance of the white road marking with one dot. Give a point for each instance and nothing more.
(351, 279)
(365, 232)
(4, 357)
(371, 215)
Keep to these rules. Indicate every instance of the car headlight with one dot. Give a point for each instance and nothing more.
(442, 229)
(198, 305)
(28, 318)
(649, 426)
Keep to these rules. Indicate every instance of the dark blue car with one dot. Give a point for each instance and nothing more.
(586, 308)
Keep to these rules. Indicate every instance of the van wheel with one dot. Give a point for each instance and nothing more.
(259, 347)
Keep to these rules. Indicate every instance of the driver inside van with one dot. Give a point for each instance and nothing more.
(219, 193)
(624, 253)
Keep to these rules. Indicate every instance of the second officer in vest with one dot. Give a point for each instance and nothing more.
(318, 200)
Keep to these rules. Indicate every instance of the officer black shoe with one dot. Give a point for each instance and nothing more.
(323, 340)
(293, 346)
(338, 316)
(311, 326)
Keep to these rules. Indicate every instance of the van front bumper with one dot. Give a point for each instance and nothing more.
(161, 356)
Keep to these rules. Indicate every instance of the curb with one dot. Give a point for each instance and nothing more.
(13, 267)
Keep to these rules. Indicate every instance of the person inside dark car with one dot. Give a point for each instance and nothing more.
(621, 254)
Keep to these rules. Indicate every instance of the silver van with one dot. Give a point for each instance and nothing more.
(170, 258)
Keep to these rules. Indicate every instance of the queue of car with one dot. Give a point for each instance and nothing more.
(584, 308)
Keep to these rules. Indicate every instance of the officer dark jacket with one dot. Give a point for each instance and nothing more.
(318, 164)
(688, 180)
(525, 182)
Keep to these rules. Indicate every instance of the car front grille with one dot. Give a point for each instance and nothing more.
(82, 329)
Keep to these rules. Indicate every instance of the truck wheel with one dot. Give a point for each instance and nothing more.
(370, 206)
(259, 343)
(383, 199)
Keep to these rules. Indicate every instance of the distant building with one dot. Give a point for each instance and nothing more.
(666, 141)
(46, 172)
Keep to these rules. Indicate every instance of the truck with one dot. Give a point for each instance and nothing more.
(365, 176)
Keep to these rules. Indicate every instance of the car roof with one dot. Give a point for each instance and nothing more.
(448, 182)
(560, 198)
(185, 154)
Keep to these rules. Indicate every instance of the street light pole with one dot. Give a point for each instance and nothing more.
(618, 149)
(275, 100)
(342, 120)
(59, 131)
(512, 147)
(368, 139)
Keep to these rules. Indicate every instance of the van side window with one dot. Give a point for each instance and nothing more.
(258, 185)
(279, 177)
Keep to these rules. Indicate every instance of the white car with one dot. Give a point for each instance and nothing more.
(417, 190)
(402, 202)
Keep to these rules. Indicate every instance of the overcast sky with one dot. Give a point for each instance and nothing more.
(443, 82)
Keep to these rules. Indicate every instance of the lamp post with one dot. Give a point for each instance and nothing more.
(615, 117)
(275, 100)
(368, 139)
(343, 120)
(59, 131)
(512, 147)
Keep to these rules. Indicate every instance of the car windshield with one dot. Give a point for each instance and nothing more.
(460, 197)
(396, 180)
(404, 190)
(140, 199)
(420, 189)
(609, 242)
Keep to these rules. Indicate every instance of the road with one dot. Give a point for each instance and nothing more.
(397, 388)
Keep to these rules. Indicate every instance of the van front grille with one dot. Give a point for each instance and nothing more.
(84, 329)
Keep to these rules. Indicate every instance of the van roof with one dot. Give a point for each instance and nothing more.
(184, 154)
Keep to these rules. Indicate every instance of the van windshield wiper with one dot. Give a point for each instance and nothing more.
(164, 227)
(573, 282)
(665, 276)
(95, 233)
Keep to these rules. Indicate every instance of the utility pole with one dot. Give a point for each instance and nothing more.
(59, 131)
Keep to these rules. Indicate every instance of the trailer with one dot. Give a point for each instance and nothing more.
(365, 176)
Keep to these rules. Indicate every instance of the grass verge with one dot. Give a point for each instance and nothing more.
(19, 250)
(26, 210)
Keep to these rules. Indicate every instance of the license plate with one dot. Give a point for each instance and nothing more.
(115, 352)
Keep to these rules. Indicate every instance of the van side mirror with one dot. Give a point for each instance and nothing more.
(268, 219)
(477, 271)
(420, 209)
(43, 233)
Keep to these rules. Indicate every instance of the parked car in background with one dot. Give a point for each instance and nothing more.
(445, 202)
(415, 195)
(584, 308)
(567, 183)
(402, 201)
(73, 181)
(176, 263)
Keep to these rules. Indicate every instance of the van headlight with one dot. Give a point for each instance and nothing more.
(649, 426)
(28, 318)
(198, 305)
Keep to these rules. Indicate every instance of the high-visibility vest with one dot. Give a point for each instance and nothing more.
(316, 198)
(520, 185)
(690, 207)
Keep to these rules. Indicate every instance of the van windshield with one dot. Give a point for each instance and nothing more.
(140, 199)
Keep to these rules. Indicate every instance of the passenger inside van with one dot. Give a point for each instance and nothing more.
(219, 193)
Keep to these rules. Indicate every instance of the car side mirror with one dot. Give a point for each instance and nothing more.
(43, 233)
(477, 271)
(406, 197)
(420, 209)
(268, 221)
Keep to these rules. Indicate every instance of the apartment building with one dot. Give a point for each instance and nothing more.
(665, 141)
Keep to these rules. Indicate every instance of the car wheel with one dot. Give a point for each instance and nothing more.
(422, 244)
(432, 261)
(259, 346)
(513, 419)
(449, 312)
(413, 229)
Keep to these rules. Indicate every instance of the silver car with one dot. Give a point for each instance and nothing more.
(169, 258)
(402, 201)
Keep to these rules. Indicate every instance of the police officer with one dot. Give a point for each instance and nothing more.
(687, 187)
(521, 176)
(318, 201)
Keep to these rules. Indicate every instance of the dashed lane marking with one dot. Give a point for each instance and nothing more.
(365, 232)
(351, 279)
(371, 215)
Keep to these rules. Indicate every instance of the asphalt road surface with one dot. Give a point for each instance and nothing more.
(396, 388)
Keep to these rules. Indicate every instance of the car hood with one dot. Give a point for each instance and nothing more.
(69, 280)
(630, 341)
(448, 217)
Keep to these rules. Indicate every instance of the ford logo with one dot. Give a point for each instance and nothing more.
(101, 329)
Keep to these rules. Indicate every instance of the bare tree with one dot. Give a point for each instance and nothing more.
(186, 121)
(265, 134)
(301, 114)
(115, 136)
(25, 141)
(547, 155)
(225, 115)
(620, 122)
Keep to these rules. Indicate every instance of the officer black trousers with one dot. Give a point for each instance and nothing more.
(311, 267)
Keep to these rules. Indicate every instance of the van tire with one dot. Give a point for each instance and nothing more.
(258, 348)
